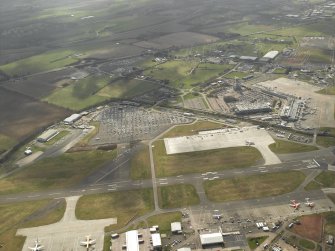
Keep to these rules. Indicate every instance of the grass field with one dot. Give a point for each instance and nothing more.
(236, 74)
(58, 137)
(255, 186)
(328, 91)
(283, 146)
(79, 94)
(43, 62)
(253, 243)
(127, 88)
(6, 143)
(124, 205)
(59, 172)
(19, 215)
(185, 74)
(140, 165)
(326, 141)
(306, 244)
(192, 129)
(164, 221)
(330, 222)
(324, 179)
(196, 162)
(87, 138)
(177, 196)
(245, 28)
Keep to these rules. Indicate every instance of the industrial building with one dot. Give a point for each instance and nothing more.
(156, 241)
(73, 118)
(176, 227)
(249, 108)
(248, 58)
(184, 249)
(47, 135)
(293, 110)
(269, 56)
(132, 240)
(212, 239)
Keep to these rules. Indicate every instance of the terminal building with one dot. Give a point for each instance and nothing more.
(292, 111)
(46, 136)
(250, 108)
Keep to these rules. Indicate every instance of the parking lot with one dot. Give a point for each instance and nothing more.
(125, 123)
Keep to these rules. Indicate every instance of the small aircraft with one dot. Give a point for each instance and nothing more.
(295, 204)
(37, 247)
(88, 242)
(309, 203)
(217, 216)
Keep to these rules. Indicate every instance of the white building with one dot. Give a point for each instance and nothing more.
(73, 118)
(132, 240)
(270, 56)
(156, 241)
(176, 227)
(47, 135)
(211, 239)
(184, 249)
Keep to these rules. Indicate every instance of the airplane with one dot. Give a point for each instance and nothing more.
(37, 247)
(88, 242)
(217, 216)
(295, 204)
(309, 203)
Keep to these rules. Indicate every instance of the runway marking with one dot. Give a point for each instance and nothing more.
(111, 189)
(264, 171)
(53, 193)
(12, 198)
(163, 183)
(33, 196)
(238, 172)
(94, 189)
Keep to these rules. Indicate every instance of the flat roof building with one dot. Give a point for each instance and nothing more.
(73, 118)
(132, 240)
(184, 249)
(269, 56)
(211, 239)
(249, 108)
(176, 227)
(47, 135)
(248, 58)
(156, 241)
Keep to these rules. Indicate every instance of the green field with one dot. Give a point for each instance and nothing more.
(123, 205)
(325, 141)
(255, 186)
(306, 244)
(283, 146)
(58, 137)
(323, 180)
(204, 161)
(126, 88)
(140, 165)
(192, 129)
(43, 62)
(184, 74)
(245, 28)
(164, 221)
(328, 91)
(236, 74)
(253, 243)
(329, 222)
(79, 94)
(6, 143)
(20, 215)
(177, 196)
(59, 172)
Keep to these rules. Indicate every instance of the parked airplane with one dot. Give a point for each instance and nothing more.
(295, 204)
(217, 216)
(309, 203)
(88, 242)
(37, 247)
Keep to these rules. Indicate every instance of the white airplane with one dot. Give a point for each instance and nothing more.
(88, 242)
(295, 204)
(37, 247)
(309, 203)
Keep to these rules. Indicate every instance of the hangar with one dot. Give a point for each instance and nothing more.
(211, 239)
(132, 241)
(47, 135)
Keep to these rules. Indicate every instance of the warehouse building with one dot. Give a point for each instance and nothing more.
(47, 135)
(248, 58)
(132, 240)
(176, 227)
(73, 118)
(184, 249)
(156, 241)
(212, 239)
(271, 55)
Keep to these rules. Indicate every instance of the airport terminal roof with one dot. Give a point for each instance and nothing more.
(212, 238)
(132, 241)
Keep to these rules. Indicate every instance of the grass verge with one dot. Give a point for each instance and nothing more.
(177, 196)
(203, 161)
(59, 172)
(254, 242)
(123, 205)
(140, 164)
(324, 179)
(251, 187)
(283, 146)
(164, 221)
